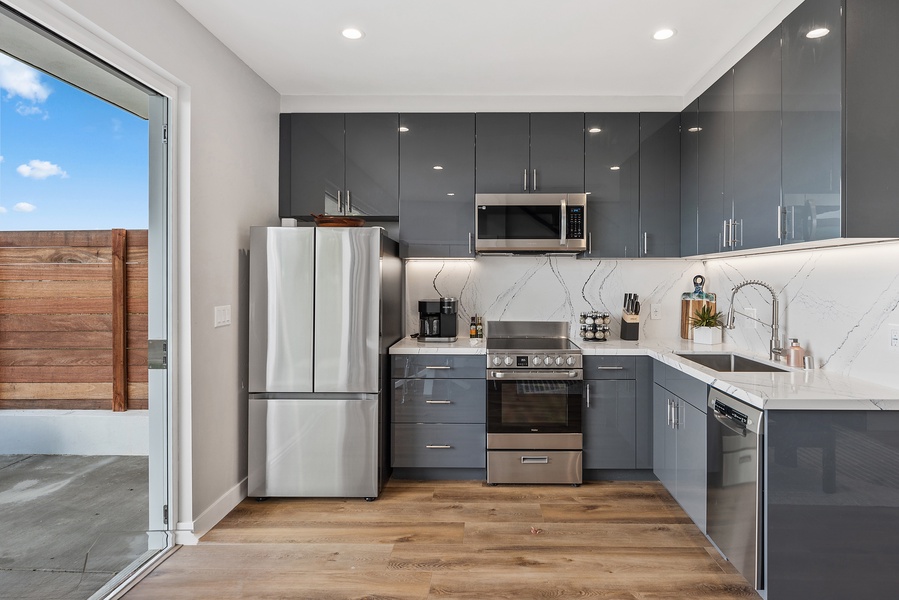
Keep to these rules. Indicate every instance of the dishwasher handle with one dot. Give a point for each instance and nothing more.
(730, 424)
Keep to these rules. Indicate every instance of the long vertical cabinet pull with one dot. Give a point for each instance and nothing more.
(725, 231)
(645, 243)
(780, 229)
(349, 203)
(469, 242)
(534, 187)
(524, 186)
(668, 416)
(340, 201)
(588, 395)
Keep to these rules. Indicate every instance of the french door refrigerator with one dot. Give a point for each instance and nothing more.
(325, 306)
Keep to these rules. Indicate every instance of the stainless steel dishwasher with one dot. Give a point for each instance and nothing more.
(735, 433)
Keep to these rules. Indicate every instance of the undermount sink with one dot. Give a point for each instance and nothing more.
(730, 363)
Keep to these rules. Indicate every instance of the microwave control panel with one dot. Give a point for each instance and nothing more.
(575, 223)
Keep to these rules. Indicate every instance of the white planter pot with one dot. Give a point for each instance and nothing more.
(707, 335)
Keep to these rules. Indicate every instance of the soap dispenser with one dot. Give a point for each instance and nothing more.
(795, 353)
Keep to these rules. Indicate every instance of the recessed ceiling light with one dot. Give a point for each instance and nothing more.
(820, 32)
(695, 129)
(450, 193)
(404, 129)
(663, 34)
(615, 168)
(351, 33)
(594, 130)
(438, 168)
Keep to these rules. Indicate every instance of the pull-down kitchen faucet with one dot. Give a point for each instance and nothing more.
(774, 349)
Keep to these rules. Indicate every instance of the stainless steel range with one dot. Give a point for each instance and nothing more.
(535, 384)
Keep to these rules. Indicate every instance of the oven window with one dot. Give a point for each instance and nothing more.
(525, 406)
(519, 222)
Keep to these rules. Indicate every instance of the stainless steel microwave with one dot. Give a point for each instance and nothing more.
(530, 222)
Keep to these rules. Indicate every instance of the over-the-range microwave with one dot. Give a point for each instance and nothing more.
(530, 222)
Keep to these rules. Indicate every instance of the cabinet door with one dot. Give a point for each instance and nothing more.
(757, 143)
(659, 184)
(612, 176)
(664, 449)
(312, 155)
(716, 111)
(812, 103)
(437, 205)
(609, 422)
(689, 180)
(372, 164)
(503, 146)
(557, 152)
(691, 462)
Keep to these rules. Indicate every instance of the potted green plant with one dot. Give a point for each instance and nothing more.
(707, 325)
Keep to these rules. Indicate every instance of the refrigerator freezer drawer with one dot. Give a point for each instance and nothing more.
(318, 447)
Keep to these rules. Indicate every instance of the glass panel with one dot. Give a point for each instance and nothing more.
(519, 222)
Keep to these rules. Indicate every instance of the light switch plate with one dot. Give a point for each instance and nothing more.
(222, 316)
(655, 311)
(894, 337)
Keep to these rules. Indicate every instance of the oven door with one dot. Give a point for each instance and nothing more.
(547, 401)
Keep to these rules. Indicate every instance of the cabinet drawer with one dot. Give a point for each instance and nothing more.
(610, 367)
(438, 366)
(439, 445)
(679, 383)
(439, 401)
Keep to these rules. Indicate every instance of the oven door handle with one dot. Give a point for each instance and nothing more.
(549, 375)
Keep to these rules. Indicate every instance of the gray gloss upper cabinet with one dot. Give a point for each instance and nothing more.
(612, 176)
(812, 105)
(538, 152)
(689, 180)
(716, 163)
(659, 184)
(339, 164)
(757, 143)
(437, 205)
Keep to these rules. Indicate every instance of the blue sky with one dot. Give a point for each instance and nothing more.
(69, 160)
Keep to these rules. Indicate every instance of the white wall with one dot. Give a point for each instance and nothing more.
(226, 167)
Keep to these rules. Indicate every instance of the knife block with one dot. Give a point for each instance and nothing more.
(630, 327)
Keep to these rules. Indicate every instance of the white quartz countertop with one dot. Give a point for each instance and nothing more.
(795, 389)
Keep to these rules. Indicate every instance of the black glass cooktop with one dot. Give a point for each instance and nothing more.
(540, 344)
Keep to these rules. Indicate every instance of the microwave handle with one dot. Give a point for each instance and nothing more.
(563, 238)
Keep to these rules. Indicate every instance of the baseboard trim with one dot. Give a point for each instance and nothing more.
(188, 533)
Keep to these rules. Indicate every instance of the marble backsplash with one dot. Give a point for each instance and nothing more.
(839, 302)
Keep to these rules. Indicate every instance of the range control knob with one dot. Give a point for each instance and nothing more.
(571, 361)
(497, 361)
(560, 361)
(548, 361)
(537, 361)
(509, 360)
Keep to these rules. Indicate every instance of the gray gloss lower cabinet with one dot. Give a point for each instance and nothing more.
(616, 412)
(439, 420)
(679, 448)
(832, 504)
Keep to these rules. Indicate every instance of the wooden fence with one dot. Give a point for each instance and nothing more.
(73, 319)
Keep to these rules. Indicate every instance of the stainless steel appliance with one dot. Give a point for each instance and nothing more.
(437, 320)
(530, 223)
(535, 385)
(325, 305)
(735, 432)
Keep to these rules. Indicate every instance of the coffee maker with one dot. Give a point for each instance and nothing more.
(437, 320)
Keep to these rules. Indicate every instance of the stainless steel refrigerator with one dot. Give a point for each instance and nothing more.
(325, 306)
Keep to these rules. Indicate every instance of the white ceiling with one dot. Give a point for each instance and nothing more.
(488, 48)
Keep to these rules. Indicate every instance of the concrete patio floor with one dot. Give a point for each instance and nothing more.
(68, 524)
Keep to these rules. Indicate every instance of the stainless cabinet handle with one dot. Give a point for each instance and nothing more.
(438, 401)
(725, 234)
(438, 446)
(668, 416)
(733, 236)
(439, 368)
(589, 242)
(349, 202)
(469, 242)
(617, 368)
(563, 230)
(534, 187)
(779, 223)
(588, 395)
(524, 186)
(339, 201)
(645, 243)
(535, 460)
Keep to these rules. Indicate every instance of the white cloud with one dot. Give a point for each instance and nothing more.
(2, 210)
(18, 79)
(40, 169)
(28, 110)
(24, 207)
(1, 158)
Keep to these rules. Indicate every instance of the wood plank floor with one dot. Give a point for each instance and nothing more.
(465, 540)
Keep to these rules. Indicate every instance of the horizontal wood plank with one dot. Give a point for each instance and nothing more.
(45, 322)
(54, 391)
(55, 272)
(65, 374)
(137, 373)
(56, 289)
(99, 237)
(136, 305)
(138, 237)
(137, 391)
(72, 357)
(66, 306)
(139, 255)
(56, 339)
(137, 322)
(137, 288)
(57, 404)
(12, 256)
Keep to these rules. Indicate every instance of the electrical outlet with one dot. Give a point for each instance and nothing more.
(655, 311)
(894, 337)
(222, 316)
(751, 313)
